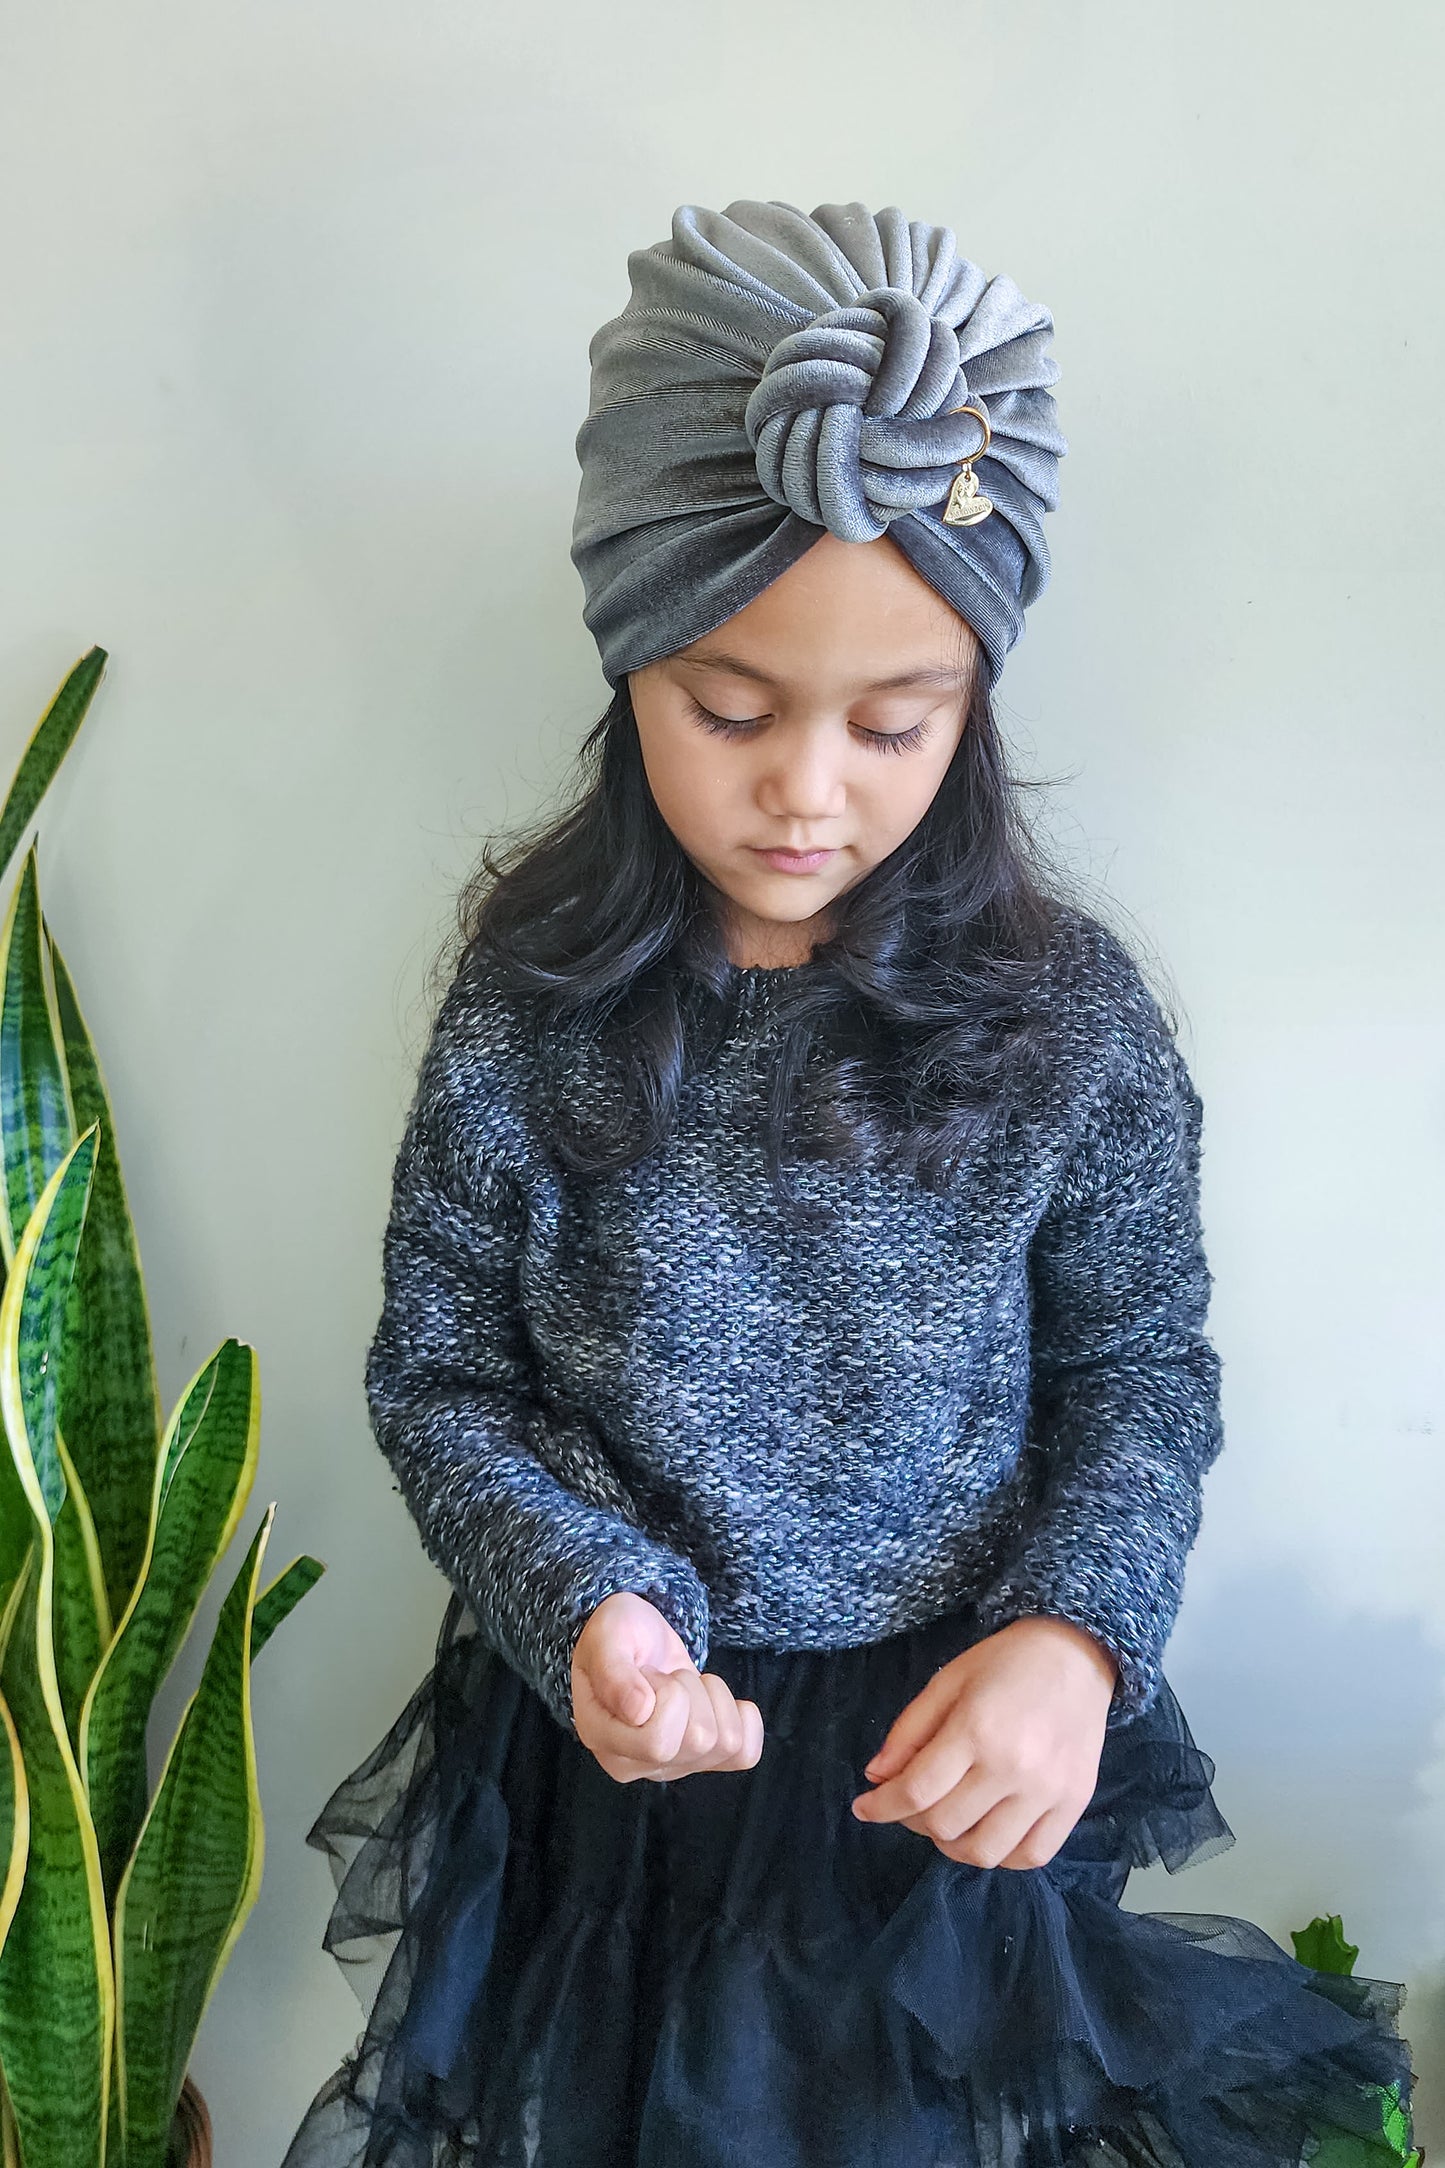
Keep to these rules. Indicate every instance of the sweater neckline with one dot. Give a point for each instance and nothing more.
(755, 983)
(756, 989)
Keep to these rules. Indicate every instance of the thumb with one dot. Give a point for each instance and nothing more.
(621, 1687)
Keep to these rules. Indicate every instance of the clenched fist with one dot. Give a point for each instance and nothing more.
(643, 1708)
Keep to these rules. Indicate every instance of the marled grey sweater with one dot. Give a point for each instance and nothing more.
(647, 1381)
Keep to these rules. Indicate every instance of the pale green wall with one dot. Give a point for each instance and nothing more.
(296, 301)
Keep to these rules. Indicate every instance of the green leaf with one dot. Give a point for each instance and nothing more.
(193, 1877)
(34, 1304)
(37, 1120)
(110, 1407)
(49, 743)
(202, 1485)
(17, 1532)
(281, 1599)
(82, 1621)
(57, 2003)
(14, 1794)
(1396, 2121)
(9, 2136)
(56, 1987)
(1347, 2149)
(1322, 1945)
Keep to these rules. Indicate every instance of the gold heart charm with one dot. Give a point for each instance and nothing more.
(966, 504)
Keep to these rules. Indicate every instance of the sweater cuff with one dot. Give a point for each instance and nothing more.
(673, 1587)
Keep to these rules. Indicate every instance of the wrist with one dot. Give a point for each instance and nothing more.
(1045, 1626)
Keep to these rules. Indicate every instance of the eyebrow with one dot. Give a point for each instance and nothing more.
(715, 658)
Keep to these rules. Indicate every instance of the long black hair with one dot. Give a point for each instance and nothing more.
(915, 1033)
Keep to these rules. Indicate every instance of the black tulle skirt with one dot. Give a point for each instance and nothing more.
(729, 1970)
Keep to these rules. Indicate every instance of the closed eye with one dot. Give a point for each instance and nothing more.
(730, 726)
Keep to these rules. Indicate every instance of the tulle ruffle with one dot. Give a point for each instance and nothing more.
(731, 1971)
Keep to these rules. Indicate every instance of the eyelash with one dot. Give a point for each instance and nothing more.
(884, 741)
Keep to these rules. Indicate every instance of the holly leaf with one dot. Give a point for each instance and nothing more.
(1322, 1945)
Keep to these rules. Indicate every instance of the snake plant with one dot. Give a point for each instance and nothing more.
(119, 1902)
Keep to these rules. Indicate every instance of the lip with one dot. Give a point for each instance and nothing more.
(796, 861)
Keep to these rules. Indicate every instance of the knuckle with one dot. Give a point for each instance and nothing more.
(990, 1733)
(1023, 1752)
(1002, 1760)
(729, 1737)
(913, 1794)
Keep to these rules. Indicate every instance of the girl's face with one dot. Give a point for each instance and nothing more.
(818, 720)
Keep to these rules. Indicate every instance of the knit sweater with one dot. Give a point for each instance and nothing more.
(999, 1394)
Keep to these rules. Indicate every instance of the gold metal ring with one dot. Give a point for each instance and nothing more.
(987, 432)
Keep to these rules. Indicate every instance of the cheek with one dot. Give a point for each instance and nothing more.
(893, 805)
(692, 786)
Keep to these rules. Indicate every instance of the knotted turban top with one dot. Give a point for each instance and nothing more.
(773, 374)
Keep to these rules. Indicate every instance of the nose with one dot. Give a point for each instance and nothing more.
(803, 779)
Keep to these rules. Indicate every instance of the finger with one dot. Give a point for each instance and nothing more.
(994, 1835)
(912, 1728)
(729, 1721)
(696, 1740)
(976, 1794)
(654, 1745)
(626, 1768)
(737, 1741)
(1039, 1844)
(619, 1686)
(751, 1751)
(745, 1734)
(937, 1766)
(715, 1727)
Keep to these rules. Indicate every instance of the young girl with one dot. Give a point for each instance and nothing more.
(793, 1349)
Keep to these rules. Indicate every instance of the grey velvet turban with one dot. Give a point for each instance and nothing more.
(773, 374)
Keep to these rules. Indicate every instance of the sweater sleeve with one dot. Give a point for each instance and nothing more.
(453, 1393)
(1125, 1381)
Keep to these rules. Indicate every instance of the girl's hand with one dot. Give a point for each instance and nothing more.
(643, 1708)
(998, 1756)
